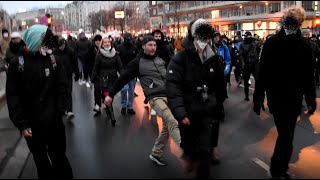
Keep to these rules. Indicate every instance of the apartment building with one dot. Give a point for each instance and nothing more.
(77, 13)
(259, 17)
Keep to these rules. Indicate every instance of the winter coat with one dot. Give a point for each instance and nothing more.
(127, 53)
(223, 50)
(69, 60)
(151, 73)
(36, 90)
(285, 73)
(105, 70)
(82, 49)
(249, 52)
(185, 74)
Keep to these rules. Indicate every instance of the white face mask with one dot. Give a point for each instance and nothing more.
(201, 44)
(5, 35)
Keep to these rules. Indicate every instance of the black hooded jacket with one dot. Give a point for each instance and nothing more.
(185, 73)
(69, 60)
(163, 49)
(286, 74)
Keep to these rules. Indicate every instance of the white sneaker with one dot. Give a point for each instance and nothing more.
(249, 82)
(96, 108)
(153, 112)
(80, 82)
(70, 115)
(88, 85)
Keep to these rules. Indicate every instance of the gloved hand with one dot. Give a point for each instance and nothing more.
(257, 108)
(312, 108)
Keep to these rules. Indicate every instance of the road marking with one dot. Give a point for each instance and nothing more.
(261, 164)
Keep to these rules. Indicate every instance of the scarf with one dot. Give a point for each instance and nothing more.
(108, 53)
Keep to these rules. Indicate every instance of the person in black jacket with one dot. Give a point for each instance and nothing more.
(93, 51)
(285, 86)
(36, 91)
(150, 69)
(163, 49)
(196, 91)
(127, 51)
(70, 63)
(106, 67)
(249, 55)
(15, 45)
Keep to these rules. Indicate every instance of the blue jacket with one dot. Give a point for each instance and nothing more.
(223, 51)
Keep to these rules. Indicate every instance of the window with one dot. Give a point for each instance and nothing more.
(153, 3)
(190, 4)
(288, 3)
(154, 11)
(171, 7)
(274, 7)
(224, 13)
(215, 14)
(160, 8)
(308, 5)
(184, 17)
(236, 11)
(197, 3)
(191, 17)
(207, 15)
(248, 10)
(260, 9)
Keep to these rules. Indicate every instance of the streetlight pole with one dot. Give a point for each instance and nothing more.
(125, 16)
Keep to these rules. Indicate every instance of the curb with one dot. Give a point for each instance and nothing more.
(16, 163)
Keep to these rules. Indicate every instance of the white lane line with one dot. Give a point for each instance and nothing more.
(261, 164)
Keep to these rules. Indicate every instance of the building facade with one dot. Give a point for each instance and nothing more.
(259, 17)
(77, 13)
(23, 20)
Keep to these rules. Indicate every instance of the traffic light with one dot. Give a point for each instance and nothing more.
(49, 20)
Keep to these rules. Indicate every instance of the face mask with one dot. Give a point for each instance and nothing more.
(5, 35)
(201, 44)
(61, 48)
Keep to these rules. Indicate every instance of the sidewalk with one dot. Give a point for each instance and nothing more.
(13, 148)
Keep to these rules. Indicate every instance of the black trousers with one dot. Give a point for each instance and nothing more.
(285, 124)
(196, 143)
(97, 93)
(69, 93)
(247, 71)
(49, 153)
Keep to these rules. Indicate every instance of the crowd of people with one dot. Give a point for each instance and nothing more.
(184, 80)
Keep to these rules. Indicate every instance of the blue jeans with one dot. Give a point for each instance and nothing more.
(127, 100)
(80, 66)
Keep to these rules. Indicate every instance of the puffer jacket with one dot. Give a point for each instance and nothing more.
(105, 70)
(185, 74)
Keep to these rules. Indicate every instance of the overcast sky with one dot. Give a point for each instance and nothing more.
(12, 6)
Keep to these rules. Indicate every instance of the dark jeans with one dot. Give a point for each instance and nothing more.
(49, 153)
(69, 93)
(285, 124)
(247, 71)
(196, 142)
